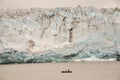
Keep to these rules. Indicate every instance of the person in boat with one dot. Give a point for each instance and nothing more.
(67, 71)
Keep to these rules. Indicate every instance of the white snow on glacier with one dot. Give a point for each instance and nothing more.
(59, 34)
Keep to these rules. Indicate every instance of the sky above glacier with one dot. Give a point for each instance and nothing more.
(58, 3)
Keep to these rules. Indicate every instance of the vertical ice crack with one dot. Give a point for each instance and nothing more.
(71, 35)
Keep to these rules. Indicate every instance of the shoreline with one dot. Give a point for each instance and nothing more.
(65, 62)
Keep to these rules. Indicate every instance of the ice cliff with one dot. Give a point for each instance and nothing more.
(51, 35)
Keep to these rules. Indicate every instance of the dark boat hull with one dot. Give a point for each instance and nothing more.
(66, 71)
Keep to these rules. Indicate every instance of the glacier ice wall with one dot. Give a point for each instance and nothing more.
(64, 31)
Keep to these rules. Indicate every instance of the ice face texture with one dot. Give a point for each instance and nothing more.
(53, 35)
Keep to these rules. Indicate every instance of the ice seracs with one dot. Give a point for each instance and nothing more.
(64, 30)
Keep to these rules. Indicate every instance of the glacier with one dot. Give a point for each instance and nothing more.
(37, 35)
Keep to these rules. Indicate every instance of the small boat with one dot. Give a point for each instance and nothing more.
(66, 71)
